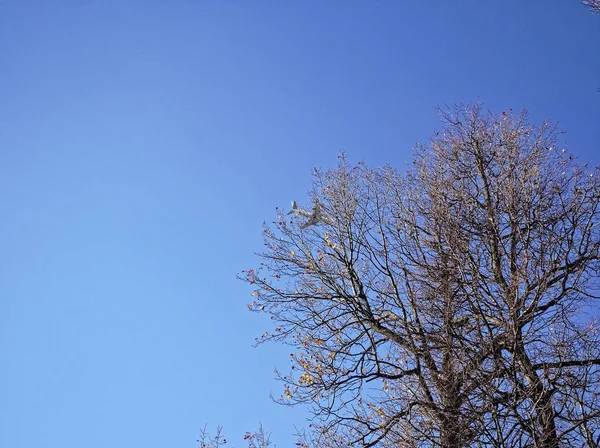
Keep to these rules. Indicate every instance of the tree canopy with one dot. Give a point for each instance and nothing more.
(446, 305)
(594, 5)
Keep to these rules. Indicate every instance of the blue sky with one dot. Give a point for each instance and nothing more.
(142, 145)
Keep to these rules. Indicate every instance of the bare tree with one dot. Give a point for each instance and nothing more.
(207, 441)
(446, 306)
(257, 439)
(526, 216)
(594, 5)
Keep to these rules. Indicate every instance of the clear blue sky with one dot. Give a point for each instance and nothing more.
(142, 144)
